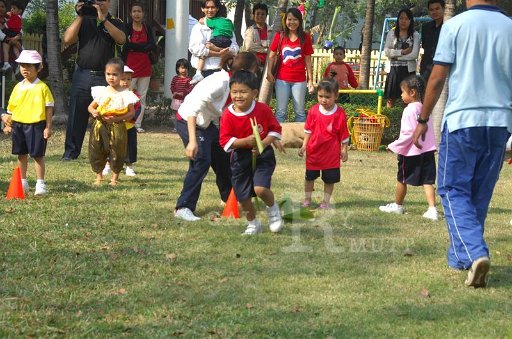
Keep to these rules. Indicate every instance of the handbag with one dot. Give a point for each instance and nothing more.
(275, 67)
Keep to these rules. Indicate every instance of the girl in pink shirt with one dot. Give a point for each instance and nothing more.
(416, 167)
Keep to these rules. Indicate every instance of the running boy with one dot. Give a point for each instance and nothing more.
(251, 174)
(325, 142)
(29, 118)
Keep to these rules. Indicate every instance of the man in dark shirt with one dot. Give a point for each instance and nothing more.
(430, 35)
(96, 38)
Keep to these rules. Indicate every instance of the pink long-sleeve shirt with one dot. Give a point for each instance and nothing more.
(404, 145)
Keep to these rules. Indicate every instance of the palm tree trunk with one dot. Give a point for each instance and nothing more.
(239, 14)
(248, 14)
(266, 86)
(113, 8)
(366, 51)
(55, 78)
(438, 111)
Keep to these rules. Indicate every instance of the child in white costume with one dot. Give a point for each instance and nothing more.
(111, 107)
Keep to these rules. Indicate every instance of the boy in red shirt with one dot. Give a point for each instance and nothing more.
(12, 29)
(236, 136)
(325, 141)
(342, 72)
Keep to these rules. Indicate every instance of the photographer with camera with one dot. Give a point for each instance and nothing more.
(402, 48)
(96, 32)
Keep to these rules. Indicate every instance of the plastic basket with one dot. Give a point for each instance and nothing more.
(367, 129)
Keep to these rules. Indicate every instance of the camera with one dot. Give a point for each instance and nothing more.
(405, 45)
(88, 9)
(333, 73)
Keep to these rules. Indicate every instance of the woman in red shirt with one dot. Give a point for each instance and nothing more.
(139, 41)
(295, 53)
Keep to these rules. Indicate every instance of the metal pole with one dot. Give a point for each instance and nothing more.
(377, 70)
(176, 39)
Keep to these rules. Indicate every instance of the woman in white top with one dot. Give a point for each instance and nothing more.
(201, 35)
(402, 48)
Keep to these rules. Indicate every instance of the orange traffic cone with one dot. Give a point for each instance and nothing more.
(15, 190)
(231, 208)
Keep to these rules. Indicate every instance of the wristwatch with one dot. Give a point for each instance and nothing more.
(421, 121)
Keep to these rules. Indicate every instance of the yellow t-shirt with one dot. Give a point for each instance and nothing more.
(28, 101)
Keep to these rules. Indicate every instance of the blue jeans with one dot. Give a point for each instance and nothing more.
(209, 154)
(78, 117)
(298, 91)
(470, 160)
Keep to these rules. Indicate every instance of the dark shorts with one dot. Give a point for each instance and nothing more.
(329, 176)
(29, 139)
(221, 41)
(417, 170)
(9, 33)
(244, 178)
(131, 153)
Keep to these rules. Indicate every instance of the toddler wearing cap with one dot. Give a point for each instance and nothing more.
(29, 118)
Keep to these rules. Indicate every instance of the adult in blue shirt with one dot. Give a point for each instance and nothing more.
(474, 53)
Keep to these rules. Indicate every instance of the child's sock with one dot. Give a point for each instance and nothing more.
(39, 181)
(24, 184)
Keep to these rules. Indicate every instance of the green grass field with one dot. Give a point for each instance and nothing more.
(101, 262)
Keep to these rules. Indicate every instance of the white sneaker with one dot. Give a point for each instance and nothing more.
(275, 222)
(196, 78)
(185, 214)
(141, 130)
(130, 172)
(40, 189)
(392, 208)
(431, 214)
(254, 227)
(107, 170)
(477, 274)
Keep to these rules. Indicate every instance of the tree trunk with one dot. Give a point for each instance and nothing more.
(239, 14)
(266, 86)
(55, 78)
(438, 111)
(366, 52)
(248, 15)
(114, 7)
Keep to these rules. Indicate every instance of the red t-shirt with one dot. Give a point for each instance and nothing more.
(327, 130)
(13, 22)
(235, 125)
(293, 65)
(344, 74)
(139, 61)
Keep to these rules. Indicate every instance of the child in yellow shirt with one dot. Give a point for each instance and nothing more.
(29, 118)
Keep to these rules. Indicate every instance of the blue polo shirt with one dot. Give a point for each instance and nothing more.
(477, 45)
